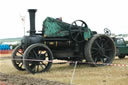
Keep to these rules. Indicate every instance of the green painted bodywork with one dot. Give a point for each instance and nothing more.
(87, 34)
(122, 46)
(55, 28)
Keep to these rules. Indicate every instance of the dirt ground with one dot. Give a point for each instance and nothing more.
(7, 79)
(21, 80)
(84, 74)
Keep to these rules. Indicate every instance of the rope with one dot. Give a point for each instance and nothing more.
(73, 73)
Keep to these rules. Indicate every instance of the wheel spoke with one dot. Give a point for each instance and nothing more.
(95, 59)
(43, 64)
(20, 53)
(82, 24)
(106, 56)
(106, 42)
(75, 24)
(94, 48)
(37, 68)
(30, 55)
(40, 54)
(35, 54)
(76, 36)
(102, 44)
(101, 59)
(75, 30)
(108, 49)
(34, 69)
(95, 54)
(97, 44)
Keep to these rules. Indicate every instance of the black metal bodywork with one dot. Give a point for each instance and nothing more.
(57, 45)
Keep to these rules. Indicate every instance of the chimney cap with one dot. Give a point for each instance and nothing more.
(32, 10)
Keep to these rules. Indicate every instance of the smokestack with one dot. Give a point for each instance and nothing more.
(32, 21)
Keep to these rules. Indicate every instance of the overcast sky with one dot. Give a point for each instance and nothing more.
(98, 14)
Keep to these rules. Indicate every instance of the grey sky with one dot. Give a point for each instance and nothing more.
(98, 14)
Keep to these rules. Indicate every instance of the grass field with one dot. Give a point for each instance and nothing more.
(84, 75)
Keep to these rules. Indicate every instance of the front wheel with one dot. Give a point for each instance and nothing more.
(37, 58)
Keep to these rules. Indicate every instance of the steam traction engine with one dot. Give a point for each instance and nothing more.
(60, 40)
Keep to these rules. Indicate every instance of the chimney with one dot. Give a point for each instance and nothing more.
(32, 21)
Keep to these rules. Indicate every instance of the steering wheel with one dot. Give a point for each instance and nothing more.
(77, 29)
(107, 31)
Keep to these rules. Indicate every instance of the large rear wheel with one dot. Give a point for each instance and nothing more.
(100, 50)
(37, 58)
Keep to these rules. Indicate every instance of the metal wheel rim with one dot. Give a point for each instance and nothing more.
(38, 64)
